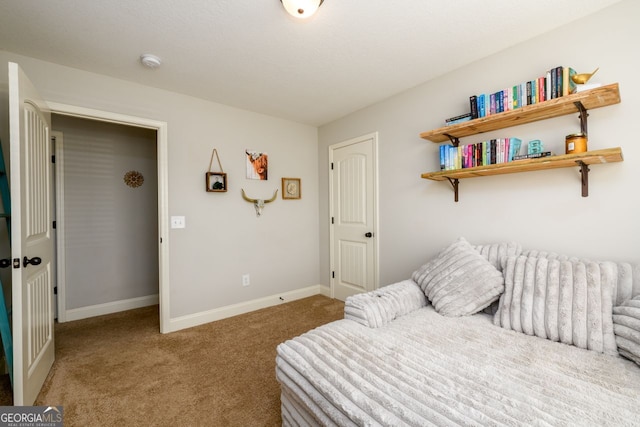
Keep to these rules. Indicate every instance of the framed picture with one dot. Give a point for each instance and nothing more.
(257, 164)
(216, 182)
(291, 188)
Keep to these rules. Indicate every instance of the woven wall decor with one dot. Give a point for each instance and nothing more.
(133, 179)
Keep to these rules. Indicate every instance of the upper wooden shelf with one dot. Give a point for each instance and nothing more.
(609, 155)
(594, 98)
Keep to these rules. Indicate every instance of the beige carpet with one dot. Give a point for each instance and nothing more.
(119, 370)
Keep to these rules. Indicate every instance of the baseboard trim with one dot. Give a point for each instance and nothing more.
(325, 290)
(201, 318)
(110, 307)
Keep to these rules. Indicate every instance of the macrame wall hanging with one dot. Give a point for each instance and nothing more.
(216, 181)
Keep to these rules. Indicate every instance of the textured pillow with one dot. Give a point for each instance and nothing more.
(627, 283)
(626, 326)
(561, 300)
(379, 307)
(459, 281)
(495, 253)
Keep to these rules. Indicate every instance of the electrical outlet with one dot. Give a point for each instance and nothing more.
(246, 280)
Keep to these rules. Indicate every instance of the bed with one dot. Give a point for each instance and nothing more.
(395, 360)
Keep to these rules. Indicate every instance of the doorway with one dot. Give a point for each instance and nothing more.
(139, 126)
(107, 227)
(353, 206)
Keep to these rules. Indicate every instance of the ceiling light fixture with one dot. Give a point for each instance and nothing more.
(150, 61)
(301, 9)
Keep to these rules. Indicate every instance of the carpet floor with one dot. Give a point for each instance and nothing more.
(119, 370)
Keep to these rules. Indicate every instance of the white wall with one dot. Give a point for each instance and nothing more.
(110, 229)
(541, 210)
(223, 238)
(280, 250)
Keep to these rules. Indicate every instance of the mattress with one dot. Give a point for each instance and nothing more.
(425, 369)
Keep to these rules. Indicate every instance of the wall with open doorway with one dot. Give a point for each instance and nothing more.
(223, 239)
(108, 228)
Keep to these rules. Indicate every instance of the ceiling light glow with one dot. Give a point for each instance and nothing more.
(301, 9)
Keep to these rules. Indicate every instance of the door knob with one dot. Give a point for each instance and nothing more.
(368, 234)
(33, 261)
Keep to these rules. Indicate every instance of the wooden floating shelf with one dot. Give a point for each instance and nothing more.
(608, 155)
(590, 99)
(582, 160)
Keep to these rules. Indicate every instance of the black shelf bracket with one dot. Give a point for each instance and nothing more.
(583, 116)
(455, 141)
(455, 182)
(584, 173)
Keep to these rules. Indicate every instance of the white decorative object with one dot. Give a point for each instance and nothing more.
(150, 61)
(259, 203)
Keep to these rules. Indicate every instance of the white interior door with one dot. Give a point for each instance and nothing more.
(353, 239)
(31, 238)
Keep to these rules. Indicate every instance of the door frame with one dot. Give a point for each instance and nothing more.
(375, 226)
(163, 196)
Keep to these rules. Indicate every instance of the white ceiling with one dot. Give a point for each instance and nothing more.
(250, 54)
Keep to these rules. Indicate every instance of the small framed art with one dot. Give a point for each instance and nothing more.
(216, 182)
(291, 188)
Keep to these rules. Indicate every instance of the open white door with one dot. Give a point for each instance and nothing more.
(31, 238)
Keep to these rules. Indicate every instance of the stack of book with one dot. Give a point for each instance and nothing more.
(555, 83)
(458, 119)
(494, 151)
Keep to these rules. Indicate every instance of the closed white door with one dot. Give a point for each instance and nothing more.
(31, 238)
(353, 210)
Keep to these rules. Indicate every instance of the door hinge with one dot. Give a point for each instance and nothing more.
(53, 158)
(331, 165)
(332, 220)
(333, 274)
(54, 225)
(16, 263)
(55, 290)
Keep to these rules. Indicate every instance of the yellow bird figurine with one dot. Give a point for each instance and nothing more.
(581, 79)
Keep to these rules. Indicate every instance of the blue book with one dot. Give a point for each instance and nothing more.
(454, 122)
(446, 157)
(481, 105)
(514, 147)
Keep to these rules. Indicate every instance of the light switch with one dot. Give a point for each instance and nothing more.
(178, 222)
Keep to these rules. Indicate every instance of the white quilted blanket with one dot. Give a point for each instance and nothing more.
(425, 369)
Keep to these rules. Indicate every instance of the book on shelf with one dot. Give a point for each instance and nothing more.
(455, 122)
(494, 151)
(473, 106)
(514, 147)
(554, 83)
(457, 119)
(533, 155)
(568, 86)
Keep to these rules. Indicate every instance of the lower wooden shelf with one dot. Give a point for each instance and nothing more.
(582, 160)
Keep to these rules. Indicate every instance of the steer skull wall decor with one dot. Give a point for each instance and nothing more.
(259, 203)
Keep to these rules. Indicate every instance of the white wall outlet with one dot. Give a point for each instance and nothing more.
(178, 222)
(246, 280)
